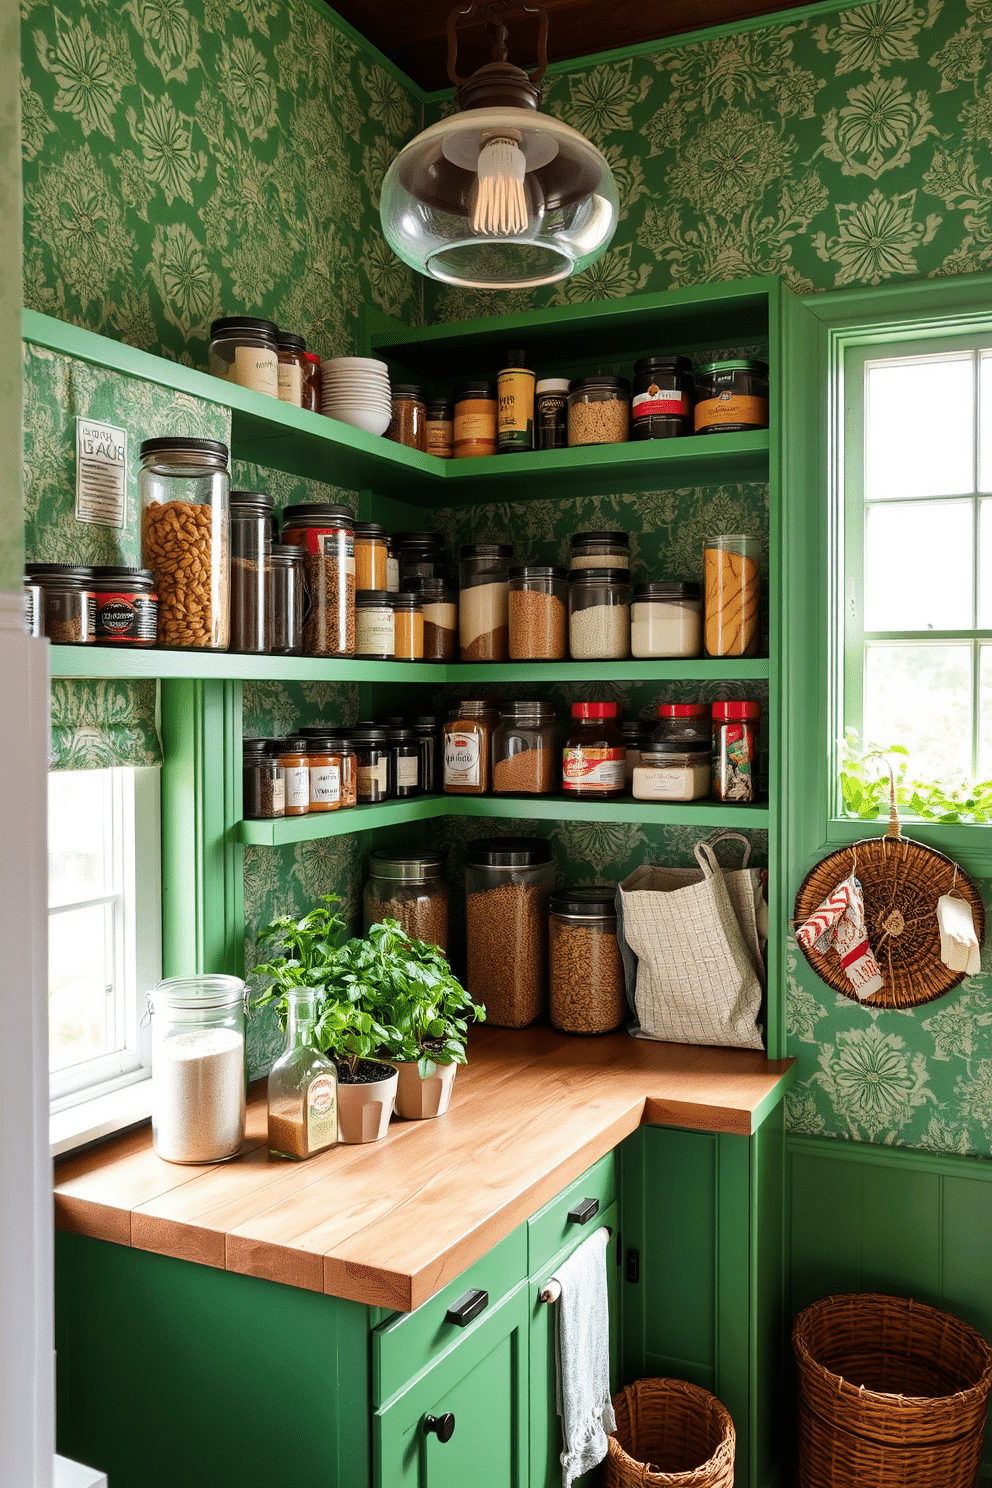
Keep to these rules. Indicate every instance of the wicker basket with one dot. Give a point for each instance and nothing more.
(670, 1434)
(892, 1394)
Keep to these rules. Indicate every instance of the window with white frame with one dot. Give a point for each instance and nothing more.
(917, 602)
(104, 927)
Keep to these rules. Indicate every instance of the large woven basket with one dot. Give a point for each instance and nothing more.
(670, 1434)
(892, 1394)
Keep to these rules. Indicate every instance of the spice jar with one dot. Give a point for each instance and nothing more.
(263, 793)
(599, 550)
(292, 367)
(598, 410)
(410, 888)
(634, 733)
(68, 605)
(684, 726)
(408, 620)
(375, 636)
(593, 759)
(467, 746)
(428, 732)
(440, 611)
(408, 425)
(251, 546)
(312, 381)
(599, 614)
(244, 350)
(325, 774)
(327, 534)
(302, 1089)
(664, 393)
(551, 413)
(508, 883)
(666, 775)
(292, 756)
(475, 420)
(538, 613)
(185, 530)
(422, 556)
(483, 601)
(374, 759)
(286, 599)
(732, 579)
(371, 556)
(440, 428)
(585, 969)
(524, 757)
(34, 607)
(392, 565)
(731, 397)
(735, 751)
(666, 620)
(126, 606)
(198, 1068)
(515, 393)
(320, 739)
(405, 749)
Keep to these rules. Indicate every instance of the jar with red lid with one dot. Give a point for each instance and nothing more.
(684, 726)
(594, 756)
(311, 381)
(735, 751)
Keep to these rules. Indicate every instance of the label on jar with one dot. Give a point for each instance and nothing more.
(475, 423)
(515, 420)
(325, 785)
(126, 617)
(291, 383)
(297, 781)
(257, 367)
(440, 436)
(734, 748)
(375, 632)
(322, 1113)
(665, 401)
(732, 408)
(373, 780)
(462, 758)
(593, 769)
(407, 771)
(392, 575)
(336, 543)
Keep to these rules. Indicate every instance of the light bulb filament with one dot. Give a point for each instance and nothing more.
(501, 205)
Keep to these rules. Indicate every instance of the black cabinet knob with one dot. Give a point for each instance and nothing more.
(442, 1426)
(468, 1306)
(584, 1211)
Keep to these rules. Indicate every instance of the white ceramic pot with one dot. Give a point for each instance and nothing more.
(364, 1110)
(418, 1099)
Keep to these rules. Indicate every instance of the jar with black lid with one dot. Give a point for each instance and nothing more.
(731, 397)
(292, 368)
(126, 607)
(245, 350)
(635, 733)
(664, 393)
(286, 599)
(251, 545)
(320, 737)
(475, 420)
(371, 556)
(598, 410)
(551, 413)
(375, 625)
(292, 755)
(422, 555)
(428, 729)
(393, 564)
(405, 748)
(600, 550)
(185, 538)
(440, 428)
(68, 602)
(408, 425)
(374, 756)
(585, 969)
(263, 787)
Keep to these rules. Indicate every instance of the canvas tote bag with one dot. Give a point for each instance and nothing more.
(691, 942)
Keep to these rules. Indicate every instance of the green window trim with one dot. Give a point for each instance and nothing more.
(97, 724)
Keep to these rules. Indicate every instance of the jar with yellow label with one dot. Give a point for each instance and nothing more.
(515, 420)
(731, 397)
(475, 420)
(245, 350)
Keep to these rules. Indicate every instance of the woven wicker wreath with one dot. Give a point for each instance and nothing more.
(902, 881)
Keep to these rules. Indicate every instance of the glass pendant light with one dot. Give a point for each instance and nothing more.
(500, 196)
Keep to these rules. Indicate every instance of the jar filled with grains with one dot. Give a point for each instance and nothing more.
(292, 756)
(412, 889)
(327, 533)
(198, 1065)
(508, 884)
(599, 550)
(483, 601)
(475, 420)
(408, 613)
(599, 614)
(292, 368)
(371, 556)
(538, 613)
(375, 627)
(251, 546)
(525, 761)
(586, 972)
(409, 422)
(593, 758)
(185, 535)
(244, 350)
(405, 749)
(666, 620)
(263, 789)
(67, 611)
(468, 746)
(440, 427)
(440, 607)
(374, 758)
(598, 410)
(286, 599)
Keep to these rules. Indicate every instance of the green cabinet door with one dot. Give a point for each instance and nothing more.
(482, 1384)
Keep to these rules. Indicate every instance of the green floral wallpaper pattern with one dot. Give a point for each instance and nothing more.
(96, 724)
(11, 516)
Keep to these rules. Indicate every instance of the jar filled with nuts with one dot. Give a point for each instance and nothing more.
(185, 539)
(599, 410)
(587, 989)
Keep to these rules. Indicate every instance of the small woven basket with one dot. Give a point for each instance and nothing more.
(892, 1394)
(670, 1434)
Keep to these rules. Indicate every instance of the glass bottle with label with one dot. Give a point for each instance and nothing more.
(292, 368)
(303, 1086)
(325, 776)
(515, 419)
(594, 757)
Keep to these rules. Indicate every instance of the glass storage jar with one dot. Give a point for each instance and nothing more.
(320, 739)
(664, 394)
(408, 425)
(731, 397)
(666, 620)
(251, 547)
(286, 598)
(244, 350)
(375, 629)
(292, 756)
(410, 888)
(428, 731)
(551, 413)
(735, 751)
(405, 750)
(292, 368)
(599, 550)
(263, 790)
(374, 759)
(468, 735)
(525, 760)
(185, 534)
(126, 607)
(593, 758)
(599, 614)
(585, 969)
(508, 883)
(664, 774)
(371, 556)
(408, 622)
(312, 381)
(732, 579)
(440, 610)
(515, 394)
(538, 613)
(68, 603)
(634, 733)
(302, 1091)
(684, 726)
(483, 601)
(475, 420)
(198, 1068)
(440, 428)
(327, 534)
(598, 410)
(422, 556)
(324, 765)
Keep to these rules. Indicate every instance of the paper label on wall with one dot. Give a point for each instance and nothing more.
(101, 473)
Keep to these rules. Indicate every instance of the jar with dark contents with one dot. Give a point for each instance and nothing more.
(327, 534)
(585, 969)
(731, 397)
(735, 751)
(439, 604)
(664, 393)
(405, 748)
(68, 602)
(292, 368)
(374, 758)
(475, 420)
(126, 607)
(312, 381)
(409, 421)
(251, 545)
(593, 759)
(263, 788)
(440, 428)
(286, 599)
(428, 731)
(422, 555)
(551, 413)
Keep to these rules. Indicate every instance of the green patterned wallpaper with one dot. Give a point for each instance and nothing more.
(11, 519)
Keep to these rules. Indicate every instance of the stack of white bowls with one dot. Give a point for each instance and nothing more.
(356, 391)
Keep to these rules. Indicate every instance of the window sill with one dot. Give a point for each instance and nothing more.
(968, 843)
(92, 1120)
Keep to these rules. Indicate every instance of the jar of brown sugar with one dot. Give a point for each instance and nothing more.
(409, 422)
(467, 746)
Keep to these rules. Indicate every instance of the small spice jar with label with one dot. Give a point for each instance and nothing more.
(538, 613)
(375, 632)
(263, 792)
(551, 413)
(371, 556)
(292, 368)
(731, 397)
(586, 972)
(245, 350)
(735, 751)
(524, 757)
(408, 627)
(374, 764)
(475, 420)
(405, 749)
(467, 746)
(126, 606)
(325, 775)
(593, 759)
(286, 599)
(599, 410)
(515, 392)
(439, 605)
(320, 740)
(312, 381)
(292, 757)
(68, 602)
(440, 428)
(666, 620)
(409, 422)
(664, 393)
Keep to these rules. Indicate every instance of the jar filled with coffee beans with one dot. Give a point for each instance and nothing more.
(587, 987)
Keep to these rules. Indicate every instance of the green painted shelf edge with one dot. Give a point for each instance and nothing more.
(709, 814)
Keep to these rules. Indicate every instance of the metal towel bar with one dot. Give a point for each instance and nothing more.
(551, 1290)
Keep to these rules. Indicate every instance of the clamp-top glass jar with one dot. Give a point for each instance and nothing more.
(185, 539)
(245, 350)
(198, 1066)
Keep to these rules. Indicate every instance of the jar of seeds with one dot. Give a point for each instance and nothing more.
(587, 987)
(599, 410)
(508, 883)
(599, 614)
(185, 535)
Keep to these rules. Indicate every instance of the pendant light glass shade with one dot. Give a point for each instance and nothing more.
(499, 198)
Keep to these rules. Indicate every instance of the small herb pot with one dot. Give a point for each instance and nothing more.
(365, 1104)
(419, 1099)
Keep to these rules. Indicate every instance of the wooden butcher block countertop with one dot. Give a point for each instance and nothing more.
(390, 1223)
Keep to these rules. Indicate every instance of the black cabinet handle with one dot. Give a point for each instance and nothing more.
(584, 1211)
(468, 1306)
(442, 1426)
